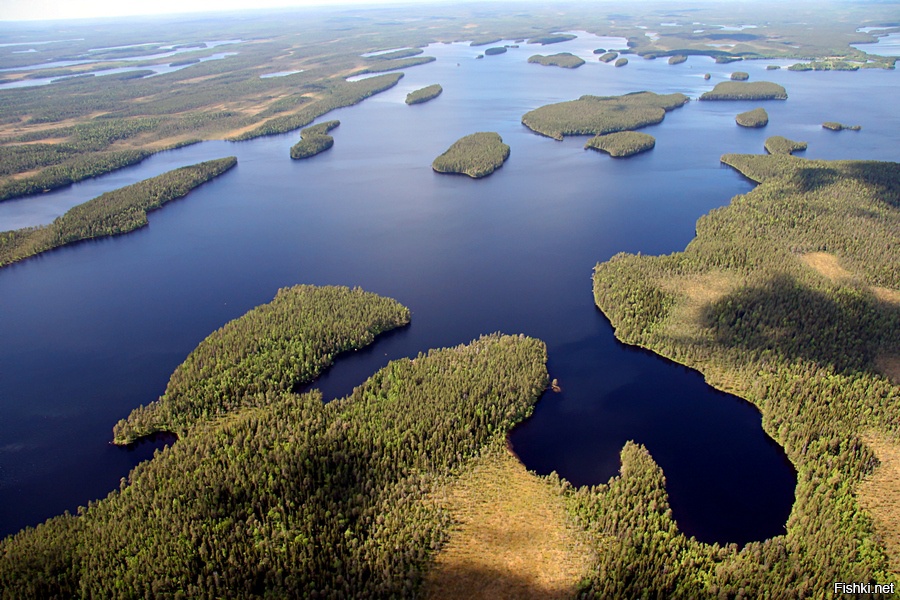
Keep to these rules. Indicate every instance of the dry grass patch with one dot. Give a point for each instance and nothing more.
(511, 540)
(826, 265)
(889, 364)
(698, 292)
(880, 495)
(886, 294)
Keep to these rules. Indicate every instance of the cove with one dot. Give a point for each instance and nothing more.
(92, 330)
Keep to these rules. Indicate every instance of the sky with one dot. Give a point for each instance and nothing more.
(28, 10)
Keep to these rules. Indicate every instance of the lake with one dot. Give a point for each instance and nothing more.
(93, 330)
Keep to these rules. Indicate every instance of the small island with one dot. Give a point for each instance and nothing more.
(621, 62)
(566, 60)
(772, 67)
(596, 115)
(758, 117)
(112, 213)
(314, 140)
(622, 144)
(599, 50)
(424, 95)
(835, 126)
(740, 76)
(552, 39)
(781, 145)
(609, 57)
(677, 59)
(706, 76)
(495, 50)
(746, 90)
(476, 155)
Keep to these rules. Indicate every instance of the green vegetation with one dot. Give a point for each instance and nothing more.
(740, 76)
(395, 65)
(74, 169)
(425, 94)
(265, 353)
(677, 59)
(342, 94)
(622, 143)
(566, 60)
(600, 51)
(314, 140)
(772, 67)
(609, 57)
(402, 53)
(742, 304)
(296, 498)
(552, 39)
(495, 50)
(621, 62)
(112, 213)
(484, 41)
(724, 59)
(781, 145)
(476, 155)
(706, 76)
(835, 126)
(597, 115)
(824, 65)
(758, 117)
(746, 90)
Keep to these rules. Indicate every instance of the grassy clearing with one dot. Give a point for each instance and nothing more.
(511, 538)
(880, 495)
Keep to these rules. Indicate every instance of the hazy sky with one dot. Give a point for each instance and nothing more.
(16, 10)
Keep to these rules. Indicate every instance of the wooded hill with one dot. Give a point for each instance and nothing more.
(745, 90)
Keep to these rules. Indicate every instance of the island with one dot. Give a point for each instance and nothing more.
(314, 140)
(552, 39)
(476, 155)
(622, 143)
(566, 60)
(424, 94)
(608, 57)
(781, 145)
(835, 126)
(740, 76)
(597, 115)
(621, 62)
(112, 213)
(677, 59)
(495, 50)
(746, 90)
(758, 117)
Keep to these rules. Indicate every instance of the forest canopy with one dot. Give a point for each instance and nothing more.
(596, 115)
(476, 155)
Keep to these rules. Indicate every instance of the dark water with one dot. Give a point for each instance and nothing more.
(93, 330)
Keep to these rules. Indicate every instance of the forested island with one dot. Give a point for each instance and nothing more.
(608, 57)
(677, 59)
(758, 117)
(476, 155)
(314, 140)
(621, 61)
(746, 90)
(567, 60)
(495, 51)
(424, 94)
(835, 126)
(622, 143)
(796, 318)
(597, 115)
(740, 76)
(778, 144)
(112, 213)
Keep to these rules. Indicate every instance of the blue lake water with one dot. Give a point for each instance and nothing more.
(93, 330)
